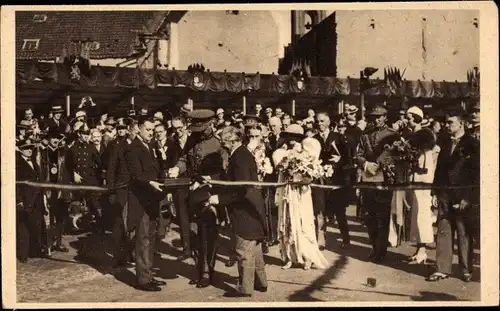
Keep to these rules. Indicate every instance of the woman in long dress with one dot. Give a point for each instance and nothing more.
(296, 227)
(420, 201)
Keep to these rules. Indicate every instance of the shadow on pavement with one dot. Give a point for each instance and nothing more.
(330, 274)
(92, 249)
(433, 296)
(172, 269)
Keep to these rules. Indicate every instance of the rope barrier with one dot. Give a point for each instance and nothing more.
(185, 182)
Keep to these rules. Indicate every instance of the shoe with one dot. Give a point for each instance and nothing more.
(149, 287)
(262, 289)
(437, 276)
(60, 248)
(344, 245)
(420, 258)
(372, 255)
(287, 266)
(236, 294)
(23, 260)
(265, 248)
(321, 248)
(378, 259)
(274, 243)
(158, 282)
(183, 257)
(230, 263)
(203, 283)
(307, 265)
(467, 277)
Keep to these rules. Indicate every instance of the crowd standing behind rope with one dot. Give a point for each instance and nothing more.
(136, 153)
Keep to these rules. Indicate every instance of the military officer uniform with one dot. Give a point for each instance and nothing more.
(376, 203)
(82, 158)
(206, 157)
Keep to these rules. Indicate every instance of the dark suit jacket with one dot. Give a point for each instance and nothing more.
(245, 204)
(460, 168)
(29, 196)
(143, 168)
(328, 150)
(117, 172)
(62, 174)
(63, 126)
(173, 153)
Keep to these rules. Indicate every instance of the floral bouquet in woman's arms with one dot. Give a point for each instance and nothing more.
(396, 160)
(302, 165)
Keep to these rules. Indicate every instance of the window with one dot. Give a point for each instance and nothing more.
(39, 18)
(31, 44)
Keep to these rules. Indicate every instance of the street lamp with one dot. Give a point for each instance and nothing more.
(364, 84)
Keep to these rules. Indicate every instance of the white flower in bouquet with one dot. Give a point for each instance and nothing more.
(328, 170)
(263, 163)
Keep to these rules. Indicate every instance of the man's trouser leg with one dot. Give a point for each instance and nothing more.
(184, 222)
(144, 248)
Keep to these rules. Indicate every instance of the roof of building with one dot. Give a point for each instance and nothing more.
(115, 31)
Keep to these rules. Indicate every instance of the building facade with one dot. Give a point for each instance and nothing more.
(427, 45)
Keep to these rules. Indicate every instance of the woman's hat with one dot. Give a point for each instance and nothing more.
(312, 146)
(24, 124)
(292, 132)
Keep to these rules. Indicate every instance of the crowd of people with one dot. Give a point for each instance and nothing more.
(139, 155)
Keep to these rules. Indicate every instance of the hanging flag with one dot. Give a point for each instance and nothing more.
(424, 47)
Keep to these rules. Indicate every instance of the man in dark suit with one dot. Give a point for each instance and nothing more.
(333, 152)
(29, 204)
(247, 213)
(117, 174)
(182, 144)
(57, 121)
(167, 153)
(144, 195)
(458, 164)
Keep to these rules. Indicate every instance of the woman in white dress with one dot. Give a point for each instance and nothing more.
(296, 228)
(420, 201)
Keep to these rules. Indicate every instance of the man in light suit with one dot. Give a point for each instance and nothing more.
(458, 164)
(247, 213)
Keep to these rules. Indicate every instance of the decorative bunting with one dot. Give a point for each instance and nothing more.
(99, 76)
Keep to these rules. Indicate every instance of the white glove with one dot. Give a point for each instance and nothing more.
(173, 172)
(78, 178)
(335, 159)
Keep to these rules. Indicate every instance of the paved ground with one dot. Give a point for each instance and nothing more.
(63, 279)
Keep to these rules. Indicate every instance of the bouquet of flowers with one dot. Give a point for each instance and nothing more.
(300, 167)
(264, 165)
(397, 160)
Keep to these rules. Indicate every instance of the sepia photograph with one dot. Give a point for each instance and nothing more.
(287, 154)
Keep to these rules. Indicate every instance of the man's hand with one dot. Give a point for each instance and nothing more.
(463, 205)
(173, 172)
(213, 200)
(20, 205)
(194, 186)
(435, 201)
(334, 159)
(78, 178)
(156, 185)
